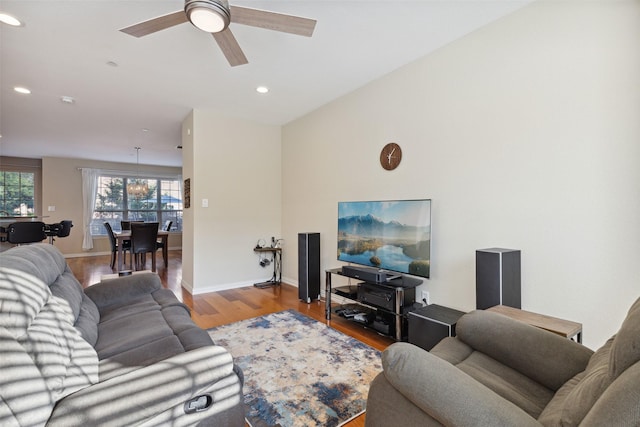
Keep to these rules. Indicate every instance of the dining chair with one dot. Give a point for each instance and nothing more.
(25, 232)
(126, 246)
(166, 227)
(126, 225)
(144, 237)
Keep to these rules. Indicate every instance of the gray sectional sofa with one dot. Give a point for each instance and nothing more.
(122, 352)
(501, 372)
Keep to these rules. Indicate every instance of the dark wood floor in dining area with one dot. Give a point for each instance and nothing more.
(223, 307)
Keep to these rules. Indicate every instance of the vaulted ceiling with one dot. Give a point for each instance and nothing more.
(128, 91)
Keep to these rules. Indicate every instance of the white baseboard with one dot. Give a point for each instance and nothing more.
(86, 254)
(290, 281)
(236, 285)
(217, 288)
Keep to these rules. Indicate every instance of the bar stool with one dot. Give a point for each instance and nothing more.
(60, 229)
(25, 232)
(51, 230)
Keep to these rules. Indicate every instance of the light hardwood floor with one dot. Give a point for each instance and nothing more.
(220, 308)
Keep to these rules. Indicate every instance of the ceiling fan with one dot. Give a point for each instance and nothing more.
(214, 16)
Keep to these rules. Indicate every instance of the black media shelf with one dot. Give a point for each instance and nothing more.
(387, 304)
(370, 318)
(350, 292)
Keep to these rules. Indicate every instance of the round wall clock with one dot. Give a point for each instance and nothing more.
(390, 156)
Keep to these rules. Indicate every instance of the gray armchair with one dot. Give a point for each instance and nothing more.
(502, 372)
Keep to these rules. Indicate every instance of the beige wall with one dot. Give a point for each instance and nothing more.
(525, 134)
(236, 166)
(188, 224)
(62, 188)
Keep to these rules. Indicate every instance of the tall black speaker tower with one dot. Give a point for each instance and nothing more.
(497, 278)
(308, 266)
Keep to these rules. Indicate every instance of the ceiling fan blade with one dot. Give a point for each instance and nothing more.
(156, 24)
(273, 21)
(230, 47)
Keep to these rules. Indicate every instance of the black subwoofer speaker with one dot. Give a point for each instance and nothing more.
(431, 324)
(308, 266)
(497, 278)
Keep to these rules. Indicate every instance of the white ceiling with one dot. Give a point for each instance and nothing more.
(64, 47)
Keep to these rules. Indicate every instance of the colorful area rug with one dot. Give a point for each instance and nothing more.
(298, 371)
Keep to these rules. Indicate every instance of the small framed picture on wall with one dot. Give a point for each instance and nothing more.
(187, 193)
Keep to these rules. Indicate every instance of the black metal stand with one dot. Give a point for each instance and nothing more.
(276, 279)
(401, 289)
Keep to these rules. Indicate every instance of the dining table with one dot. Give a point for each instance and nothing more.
(124, 235)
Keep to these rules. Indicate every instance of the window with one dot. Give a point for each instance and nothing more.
(162, 202)
(17, 193)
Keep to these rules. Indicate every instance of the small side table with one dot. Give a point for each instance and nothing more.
(276, 279)
(565, 328)
(430, 324)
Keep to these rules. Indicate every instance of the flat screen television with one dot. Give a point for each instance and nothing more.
(392, 235)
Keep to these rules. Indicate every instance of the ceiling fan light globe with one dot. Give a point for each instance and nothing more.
(206, 20)
(207, 15)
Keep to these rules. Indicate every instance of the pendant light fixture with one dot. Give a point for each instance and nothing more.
(137, 188)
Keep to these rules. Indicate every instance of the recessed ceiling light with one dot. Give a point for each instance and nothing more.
(9, 20)
(262, 89)
(22, 90)
(67, 99)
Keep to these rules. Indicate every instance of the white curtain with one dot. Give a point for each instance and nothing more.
(89, 190)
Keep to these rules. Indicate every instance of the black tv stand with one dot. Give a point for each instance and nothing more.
(375, 275)
(391, 300)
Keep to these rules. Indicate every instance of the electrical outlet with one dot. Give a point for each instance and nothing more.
(424, 297)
